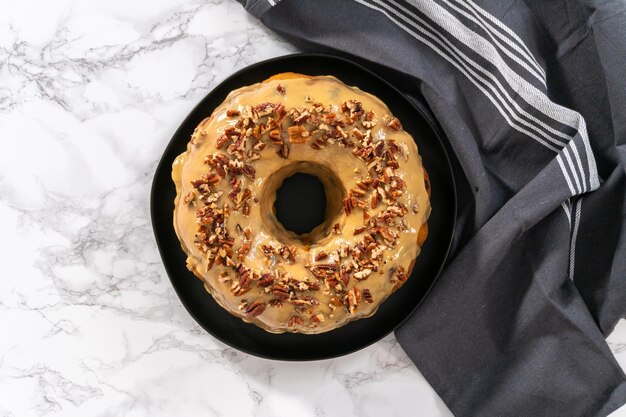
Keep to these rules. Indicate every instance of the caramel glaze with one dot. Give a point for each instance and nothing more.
(320, 302)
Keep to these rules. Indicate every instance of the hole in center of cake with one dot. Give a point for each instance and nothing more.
(302, 202)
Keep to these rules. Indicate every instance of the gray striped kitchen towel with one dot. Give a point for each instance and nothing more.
(531, 95)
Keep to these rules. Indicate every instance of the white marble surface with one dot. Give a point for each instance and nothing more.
(93, 90)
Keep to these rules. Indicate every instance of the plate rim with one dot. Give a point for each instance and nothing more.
(437, 132)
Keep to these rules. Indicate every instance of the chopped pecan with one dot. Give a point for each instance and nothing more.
(280, 89)
(189, 197)
(321, 255)
(304, 300)
(281, 292)
(386, 233)
(232, 112)
(275, 136)
(354, 298)
(394, 124)
(335, 301)
(345, 278)
(375, 200)
(254, 309)
(370, 120)
(318, 318)
(249, 171)
(242, 285)
(357, 134)
(264, 109)
(329, 118)
(379, 148)
(353, 109)
(322, 271)
(318, 144)
(357, 192)
(221, 140)
(361, 275)
(275, 303)
(298, 134)
(367, 296)
(266, 280)
(336, 229)
(365, 184)
(398, 274)
(348, 204)
(295, 321)
(303, 117)
(243, 251)
(268, 250)
(288, 253)
(359, 230)
(246, 209)
(283, 152)
(279, 109)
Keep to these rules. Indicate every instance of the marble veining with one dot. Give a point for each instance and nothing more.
(93, 91)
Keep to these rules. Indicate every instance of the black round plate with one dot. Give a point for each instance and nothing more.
(355, 335)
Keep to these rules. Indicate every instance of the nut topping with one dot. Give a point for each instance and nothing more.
(354, 298)
(254, 309)
(298, 134)
(367, 296)
(295, 321)
(321, 255)
(395, 124)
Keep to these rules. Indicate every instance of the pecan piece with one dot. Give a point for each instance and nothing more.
(298, 134)
(295, 321)
(361, 275)
(335, 301)
(359, 230)
(394, 124)
(281, 292)
(354, 298)
(266, 280)
(365, 184)
(367, 296)
(321, 255)
(249, 171)
(283, 152)
(221, 140)
(357, 192)
(189, 197)
(275, 137)
(348, 204)
(318, 318)
(305, 300)
(243, 251)
(254, 309)
(288, 253)
(232, 112)
(275, 303)
(242, 285)
(375, 200)
(398, 274)
(264, 109)
(345, 278)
